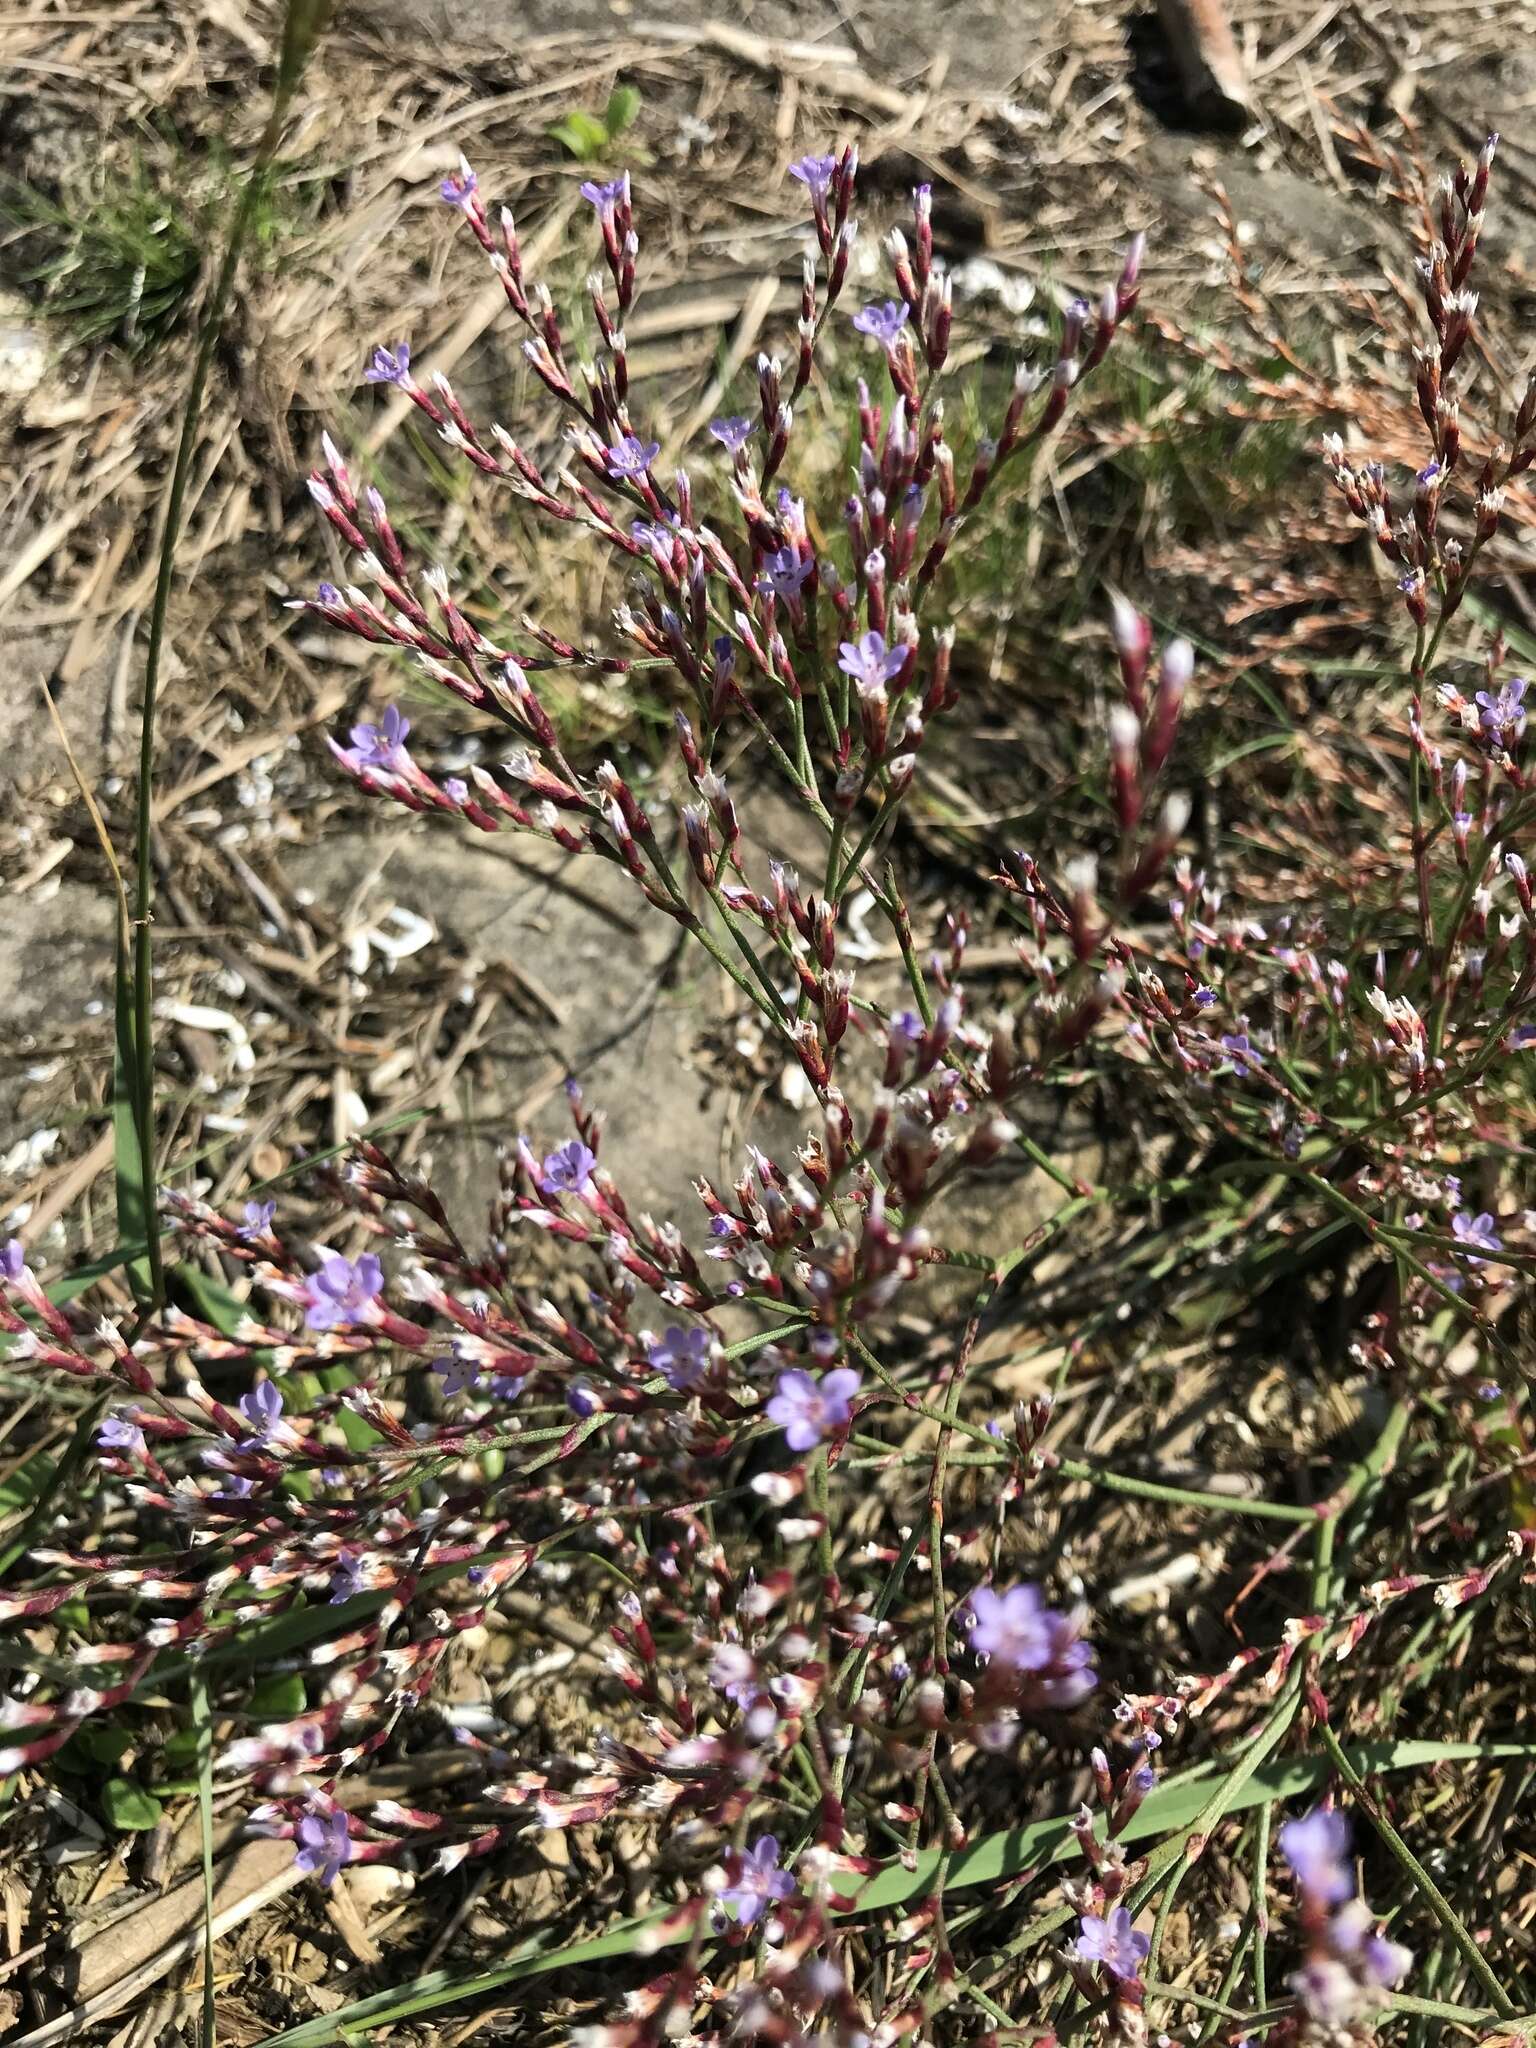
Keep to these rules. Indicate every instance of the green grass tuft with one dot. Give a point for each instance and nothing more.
(126, 261)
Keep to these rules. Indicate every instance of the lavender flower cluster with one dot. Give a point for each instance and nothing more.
(798, 1713)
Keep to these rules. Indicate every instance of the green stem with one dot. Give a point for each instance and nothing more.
(883, 811)
(1182, 1496)
(1261, 1906)
(894, 906)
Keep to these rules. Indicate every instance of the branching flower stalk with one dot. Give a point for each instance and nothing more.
(800, 1696)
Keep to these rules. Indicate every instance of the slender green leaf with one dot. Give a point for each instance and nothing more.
(83, 1276)
(1517, 639)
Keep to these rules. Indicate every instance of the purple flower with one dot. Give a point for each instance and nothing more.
(654, 535)
(568, 1170)
(1239, 1051)
(1010, 1626)
(733, 433)
(870, 662)
(785, 571)
(631, 456)
(390, 365)
(1476, 1230)
(324, 1845)
(459, 187)
(806, 1409)
(759, 1880)
(1502, 715)
(258, 1218)
(607, 197)
(117, 1433)
(342, 1294)
(347, 1581)
(457, 1374)
(816, 174)
(908, 1025)
(262, 1408)
(380, 746)
(1385, 1962)
(1113, 1942)
(680, 1356)
(1203, 998)
(13, 1259)
(882, 323)
(1315, 1847)
(236, 1487)
(328, 595)
(1030, 1642)
(734, 1672)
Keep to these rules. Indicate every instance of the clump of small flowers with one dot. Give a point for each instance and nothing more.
(1033, 1655)
(720, 1431)
(342, 1493)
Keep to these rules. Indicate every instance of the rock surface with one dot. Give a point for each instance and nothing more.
(982, 46)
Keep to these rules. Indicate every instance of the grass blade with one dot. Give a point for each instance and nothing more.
(302, 25)
(202, 1723)
(133, 1166)
(133, 1170)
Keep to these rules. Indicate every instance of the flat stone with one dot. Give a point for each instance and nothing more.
(987, 43)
